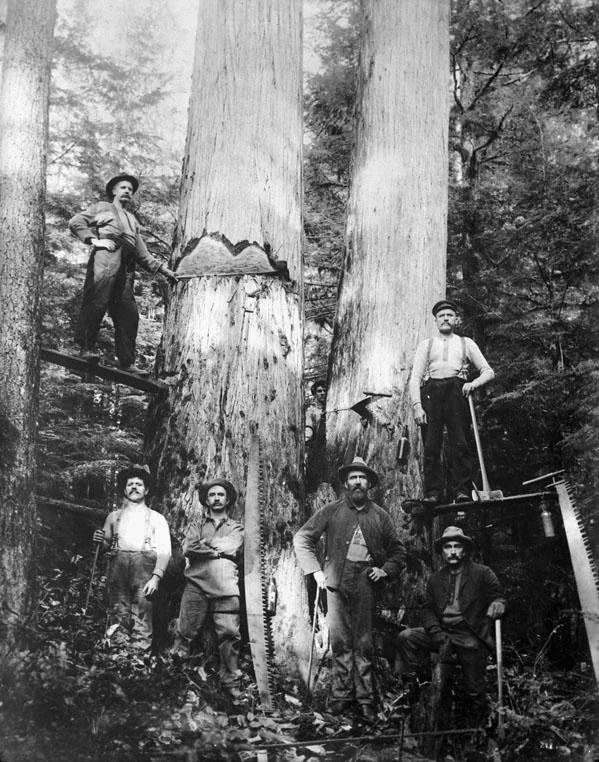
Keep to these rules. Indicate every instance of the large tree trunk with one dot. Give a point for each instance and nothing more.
(232, 346)
(23, 142)
(396, 235)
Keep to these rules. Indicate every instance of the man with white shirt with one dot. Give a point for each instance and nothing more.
(362, 548)
(112, 231)
(139, 548)
(439, 388)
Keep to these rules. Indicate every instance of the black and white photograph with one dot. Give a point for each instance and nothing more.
(299, 380)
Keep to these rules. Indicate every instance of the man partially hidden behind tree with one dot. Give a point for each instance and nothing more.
(461, 601)
(211, 547)
(138, 542)
(112, 231)
(315, 437)
(439, 388)
(362, 549)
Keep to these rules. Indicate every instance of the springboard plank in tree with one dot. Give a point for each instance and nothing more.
(102, 371)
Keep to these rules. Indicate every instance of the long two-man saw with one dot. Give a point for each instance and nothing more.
(255, 582)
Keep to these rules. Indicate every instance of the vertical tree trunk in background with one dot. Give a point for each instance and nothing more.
(396, 234)
(23, 142)
(232, 346)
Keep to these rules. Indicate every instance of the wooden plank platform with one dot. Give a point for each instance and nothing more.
(418, 508)
(87, 368)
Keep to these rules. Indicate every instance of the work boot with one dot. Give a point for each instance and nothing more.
(339, 707)
(134, 370)
(88, 355)
(462, 497)
(367, 713)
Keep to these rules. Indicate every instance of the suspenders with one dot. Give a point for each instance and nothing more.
(463, 370)
(147, 532)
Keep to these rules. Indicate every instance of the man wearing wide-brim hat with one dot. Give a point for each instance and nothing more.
(138, 542)
(439, 388)
(362, 550)
(112, 231)
(211, 547)
(461, 601)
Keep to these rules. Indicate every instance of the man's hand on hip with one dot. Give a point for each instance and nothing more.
(320, 579)
(375, 574)
(104, 243)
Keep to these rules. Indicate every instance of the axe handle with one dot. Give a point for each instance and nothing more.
(91, 576)
(479, 449)
(499, 647)
(316, 600)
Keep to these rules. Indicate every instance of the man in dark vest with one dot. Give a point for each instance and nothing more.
(117, 247)
(362, 549)
(439, 388)
(461, 601)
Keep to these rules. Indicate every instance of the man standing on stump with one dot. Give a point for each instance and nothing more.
(461, 601)
(439, 388)
(116, 247)
(212, 582)
(139, 548)
(362, 549)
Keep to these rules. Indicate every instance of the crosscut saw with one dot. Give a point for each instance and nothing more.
(583, 563)
(255, 581)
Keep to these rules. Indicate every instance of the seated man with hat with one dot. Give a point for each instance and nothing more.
(112, 231)
(461, 600)
(212, 581)
(439, 389)
(139, 545)
(362, 548)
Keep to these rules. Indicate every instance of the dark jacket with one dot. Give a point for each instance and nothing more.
(479, 587)
(339, 521)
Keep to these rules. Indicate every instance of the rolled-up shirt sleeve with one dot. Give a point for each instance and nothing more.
(418, 371)
(162, 544)
(477, 359)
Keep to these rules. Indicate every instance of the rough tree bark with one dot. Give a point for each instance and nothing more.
(396, 235)
(23, 142)
(232, 346)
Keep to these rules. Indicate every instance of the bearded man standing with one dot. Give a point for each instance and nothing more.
(362, 549)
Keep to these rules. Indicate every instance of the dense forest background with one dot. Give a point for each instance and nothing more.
(522, 262)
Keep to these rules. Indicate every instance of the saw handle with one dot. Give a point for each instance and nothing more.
(483, 471)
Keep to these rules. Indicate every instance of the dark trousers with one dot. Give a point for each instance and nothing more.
(472, 659)
(350, 613)
(195, 606)
(128, 572)
(446, 407)
(108, 288)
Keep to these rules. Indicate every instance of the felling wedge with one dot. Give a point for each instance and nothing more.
(255, 583)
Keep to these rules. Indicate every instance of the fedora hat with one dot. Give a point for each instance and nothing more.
(359, 465)
(227, 486)
(453, 534)
(134, 471)
(120, 178)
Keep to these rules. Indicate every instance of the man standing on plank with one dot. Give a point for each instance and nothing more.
(112, 231)
(439, 388)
